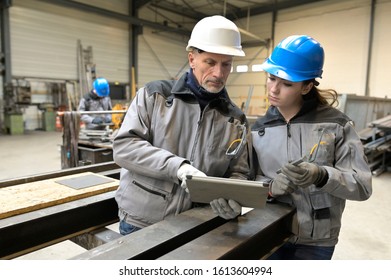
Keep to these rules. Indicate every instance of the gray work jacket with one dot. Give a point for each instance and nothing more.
(91, 102)
(319, 210)
(162, 129)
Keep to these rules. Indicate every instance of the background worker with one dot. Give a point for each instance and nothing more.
(97, 99)
(183, 127)
(300, 122)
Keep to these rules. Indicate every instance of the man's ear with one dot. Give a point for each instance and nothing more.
(191, 59)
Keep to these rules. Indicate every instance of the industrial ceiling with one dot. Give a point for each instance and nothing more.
(232, 9)
(193, 9)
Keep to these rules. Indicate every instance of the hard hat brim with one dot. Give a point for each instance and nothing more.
(289, 75)
(218, 50)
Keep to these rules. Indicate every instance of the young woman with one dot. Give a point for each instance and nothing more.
(308, 150)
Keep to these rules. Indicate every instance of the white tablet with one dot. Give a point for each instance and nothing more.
(247, 193)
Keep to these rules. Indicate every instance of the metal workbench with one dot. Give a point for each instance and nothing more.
(195, 234)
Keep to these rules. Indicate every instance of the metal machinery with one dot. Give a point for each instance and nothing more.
(16, 96)
(377, 144)
(194, 234)
(81, 146)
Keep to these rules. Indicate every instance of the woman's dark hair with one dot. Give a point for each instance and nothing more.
(323, 96)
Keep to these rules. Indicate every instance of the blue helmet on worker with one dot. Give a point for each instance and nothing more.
(296, 58)
(101, 87)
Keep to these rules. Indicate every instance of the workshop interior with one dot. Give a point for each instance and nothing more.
(53, 51)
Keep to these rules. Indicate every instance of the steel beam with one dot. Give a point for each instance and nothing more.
(200, 234)
(28, 232)
(252, 236)
(110, 169)
(195, 234)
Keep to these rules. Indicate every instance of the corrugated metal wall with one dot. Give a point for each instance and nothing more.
(44, 41)
(162, 54)
(160, 58)
(44, 46)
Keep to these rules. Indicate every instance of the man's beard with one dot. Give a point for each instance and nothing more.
(212, 89)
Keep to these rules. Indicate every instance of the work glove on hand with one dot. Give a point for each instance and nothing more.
(108, 120)
(305, 174)
(281, 185)
(187, 169)
(226, 209)
(97, 120)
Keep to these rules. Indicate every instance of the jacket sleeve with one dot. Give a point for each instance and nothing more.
(82, 108)
(132, 148)
(351, 177)
(109, 108)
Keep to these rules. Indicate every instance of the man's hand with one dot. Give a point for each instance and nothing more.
(108, 119)
(226, 209)
(97, 120)
(187, 169)
(281, 185)
(305, 174)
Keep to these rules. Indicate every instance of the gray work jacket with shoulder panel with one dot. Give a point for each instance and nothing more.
(319, 210)
(163, 128)
(91, 102)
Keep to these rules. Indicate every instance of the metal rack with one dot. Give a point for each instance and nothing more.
(377, 144)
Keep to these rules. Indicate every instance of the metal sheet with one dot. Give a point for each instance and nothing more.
(84, 181)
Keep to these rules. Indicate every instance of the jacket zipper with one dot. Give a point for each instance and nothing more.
(149, 190)
(288, 127)
(196, 136)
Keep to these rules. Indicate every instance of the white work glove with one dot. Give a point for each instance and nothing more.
(226, 209)
(281, 185)
(187, 169)
(305, 174)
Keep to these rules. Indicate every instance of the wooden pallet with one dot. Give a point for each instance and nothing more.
(23, 198)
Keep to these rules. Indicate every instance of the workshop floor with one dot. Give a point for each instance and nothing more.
(366, 226)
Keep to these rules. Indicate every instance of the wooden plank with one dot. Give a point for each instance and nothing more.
(23, 198)
(34, 230)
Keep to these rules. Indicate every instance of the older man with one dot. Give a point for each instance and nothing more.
(184, 127)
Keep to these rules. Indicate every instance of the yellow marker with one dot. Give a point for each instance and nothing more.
(316, 145)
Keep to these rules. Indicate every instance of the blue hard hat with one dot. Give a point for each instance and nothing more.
(296, 58)
(101, 87)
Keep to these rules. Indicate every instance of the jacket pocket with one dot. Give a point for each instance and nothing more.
(225, 134)
(321, 216)
(323, 154)
(145, 202)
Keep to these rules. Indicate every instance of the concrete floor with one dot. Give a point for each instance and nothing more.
(366, 226)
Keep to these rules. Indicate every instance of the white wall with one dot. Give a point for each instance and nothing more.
(380, 85)
(343, 28)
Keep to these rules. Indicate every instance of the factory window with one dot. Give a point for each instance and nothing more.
(241, 68)
(256, 68)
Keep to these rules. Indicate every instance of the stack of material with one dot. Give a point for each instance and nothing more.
(377, 144)
(69, 152)
(96, 135)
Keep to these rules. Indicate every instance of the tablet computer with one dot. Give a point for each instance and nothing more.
(247, 193)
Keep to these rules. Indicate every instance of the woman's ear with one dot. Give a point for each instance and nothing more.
(306, 88)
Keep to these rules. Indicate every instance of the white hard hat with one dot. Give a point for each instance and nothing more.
(216, 34)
